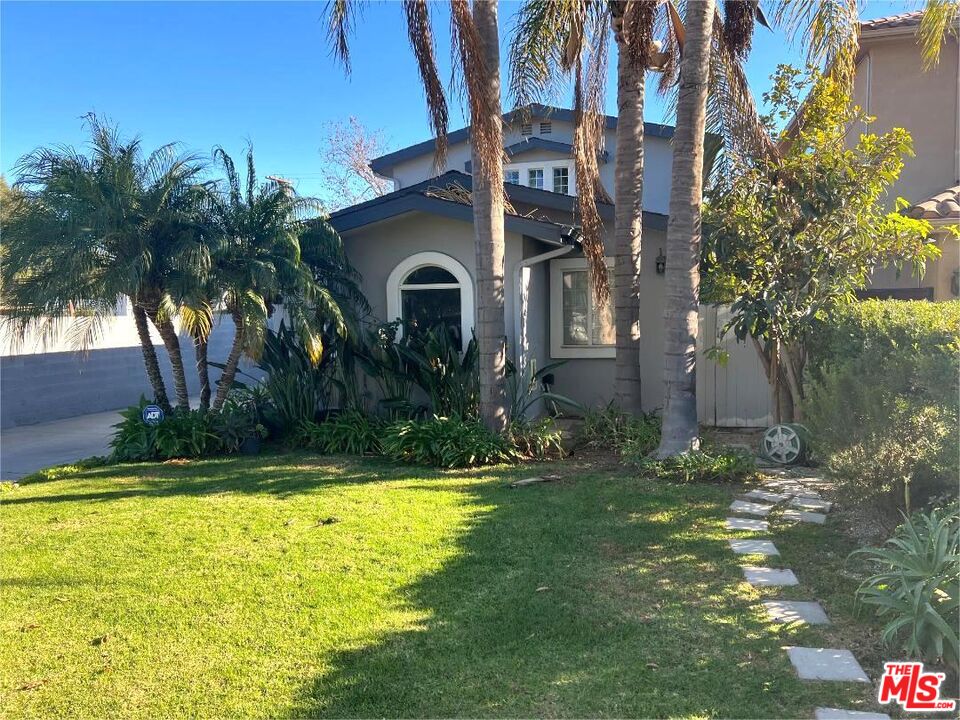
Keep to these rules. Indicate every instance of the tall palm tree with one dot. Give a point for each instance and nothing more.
(476, 54)
(256, 263)
(679, 430)
(90, 232)
(555, 38)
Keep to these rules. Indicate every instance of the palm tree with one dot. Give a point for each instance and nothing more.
(476, 50)
(679, 430)
(90, 232)
(554, 38)
(256, 263)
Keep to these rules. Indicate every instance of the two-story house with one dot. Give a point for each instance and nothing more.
(415, 250)
(892, 86)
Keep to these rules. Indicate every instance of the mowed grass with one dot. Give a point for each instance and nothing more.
(292, 585)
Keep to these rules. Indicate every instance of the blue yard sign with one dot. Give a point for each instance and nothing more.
(152, 415)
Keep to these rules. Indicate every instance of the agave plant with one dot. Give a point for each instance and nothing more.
(918, 586)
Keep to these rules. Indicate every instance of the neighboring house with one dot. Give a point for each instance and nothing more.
(892, 86)
(415, 250)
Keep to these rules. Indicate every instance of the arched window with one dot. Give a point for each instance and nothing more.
(431, 289)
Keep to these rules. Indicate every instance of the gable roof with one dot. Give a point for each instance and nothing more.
(419, 198)
(386, 162)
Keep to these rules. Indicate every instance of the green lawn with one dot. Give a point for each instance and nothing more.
(296, 585)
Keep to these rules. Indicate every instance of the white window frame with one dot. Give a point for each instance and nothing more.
(553, 178)
(396, 286)
(547, 166)
(543, 177)
(557, 348)
(506, 171)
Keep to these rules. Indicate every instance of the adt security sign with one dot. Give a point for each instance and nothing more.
(153, 415)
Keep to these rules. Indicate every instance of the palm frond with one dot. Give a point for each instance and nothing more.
(939, 19)
(420, 32)
(828, 29)
(341, 17)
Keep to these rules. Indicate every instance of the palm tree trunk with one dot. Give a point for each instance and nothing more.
(680, 431)
(172, 343)
(200, 344)
(150, 358)
(488, 230)
(628, 226)
(233, 361)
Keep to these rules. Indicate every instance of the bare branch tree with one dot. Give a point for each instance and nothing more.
(346, 176)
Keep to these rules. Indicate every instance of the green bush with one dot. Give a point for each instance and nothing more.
(445, 442)
(612, 428)
(351, 433)
(183, 433)
(708, 465)
(882, 402)
(917, 587)
(535, 439)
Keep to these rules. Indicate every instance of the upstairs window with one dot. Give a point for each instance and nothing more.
(526, 129)
(535, 178)
(561, 180)
(546, 128)
(511, 177)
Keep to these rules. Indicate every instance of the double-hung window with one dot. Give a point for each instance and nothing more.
(511, 177)
(561, 180)
(578, 328)
(535, 178)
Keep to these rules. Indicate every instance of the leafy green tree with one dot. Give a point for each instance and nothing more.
(785, 240)
(257, 264)
(95, 228)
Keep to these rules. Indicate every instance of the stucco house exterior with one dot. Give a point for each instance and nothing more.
(892, 86)
(414, 248)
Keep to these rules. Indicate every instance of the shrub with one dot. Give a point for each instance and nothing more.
(918, 586)
(708, 465)
(450, 379)
(535, 439)
(615, 429)
(237, 421)
(882, 402)
(351, 433)
(445, 442)
(183, 433)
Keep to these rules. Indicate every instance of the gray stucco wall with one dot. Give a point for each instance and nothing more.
(49, 386)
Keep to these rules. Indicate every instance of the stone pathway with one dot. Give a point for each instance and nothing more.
(801, 502)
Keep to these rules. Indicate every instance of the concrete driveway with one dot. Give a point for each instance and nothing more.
(28, 448)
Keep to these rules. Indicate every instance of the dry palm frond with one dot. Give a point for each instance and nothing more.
(588, 144)
(486, 130)
(455, 192)
(939, 18)
(421, 40)
(673, 34)
(829, 30)
(340, 21)
(637, 31)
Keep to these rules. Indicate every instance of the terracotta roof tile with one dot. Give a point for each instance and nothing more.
(942, 206)
(909, 19)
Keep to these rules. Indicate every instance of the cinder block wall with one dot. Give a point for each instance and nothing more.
(48, 386)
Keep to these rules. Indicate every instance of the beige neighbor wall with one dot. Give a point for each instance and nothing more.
(892, 86)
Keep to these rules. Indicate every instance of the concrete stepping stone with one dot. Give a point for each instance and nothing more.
(768, 577)
(735, 523)
(767, 496)
(750, 508)
(826, 664)
(811, 504)
(837, 714)
(753, 547)
(803, 516)
(790, 611)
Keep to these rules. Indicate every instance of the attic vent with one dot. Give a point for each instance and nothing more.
(546, 128)
(526, 129)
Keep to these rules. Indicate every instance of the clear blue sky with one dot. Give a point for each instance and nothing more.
(225, 72)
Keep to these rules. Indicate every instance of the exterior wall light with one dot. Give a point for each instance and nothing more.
(661, 262)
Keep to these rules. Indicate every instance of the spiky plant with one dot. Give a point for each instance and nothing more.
(92, 228)
(476, 62)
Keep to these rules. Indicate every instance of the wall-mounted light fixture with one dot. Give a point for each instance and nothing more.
(661, 262)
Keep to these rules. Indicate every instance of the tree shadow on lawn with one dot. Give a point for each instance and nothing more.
(600, 596)
(279, 474)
